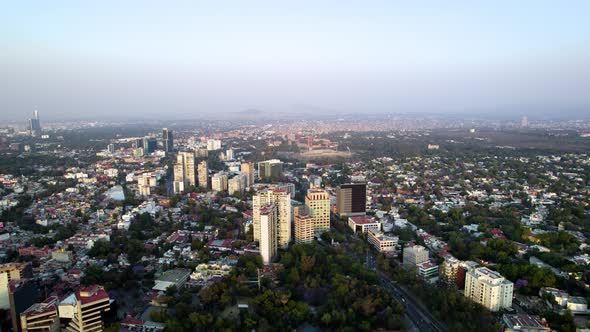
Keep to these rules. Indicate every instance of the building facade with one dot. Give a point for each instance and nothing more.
(488, 288)
(318, 205)
(185, 174)
(268, 233)
(414, 255)
(351, 199)
(282, 200)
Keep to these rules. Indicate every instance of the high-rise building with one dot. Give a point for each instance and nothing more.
(414, 255)
(41, 317)
(35, 124)
(351, 199)
(303, 225)
(203, 173)
(268, 232)
(236, 184)
(248, 170)
(146, 182)
(524, 122)
(185, 174)
(11, 272)
(149, 145)
(229, 154)
(84, 309)
(488, 288)
(219, 182)
(213, 144)
(318, 205)
(281, 198)
(168, 140)
(111, 148)
(270, 170)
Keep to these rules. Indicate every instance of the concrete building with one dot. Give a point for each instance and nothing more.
(84, 309)
(318, 205)
(488, 288)
(247, 169)
(22, 294)
(203, 172)
(363, 224)
(351, 199)
(268, 232)
(382, 242)
(453, 272)
(414, 255)
(281, 198)
(11, 272)
(146, 182)
(41, 317)
(168, 140)
(229, 154)
(185, 174)
(213, 145)
(219, 182)
(270, 170)
(428, 271)
(304, 225)
(175, 277)
(236, 184)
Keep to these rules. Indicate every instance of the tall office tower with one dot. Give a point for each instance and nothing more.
(138, 143)
(248, 170)
(22, 294)
(414, 255)
(35, 124)
(203, 174)
(282, 200)
(268, 232)
(11, 272)
(270, 169)
(184, 171)
(236, 184)
(229, 154)
(219, 182)
(84, 309)
(149, 145)
(488, 288)
(318, 204)
(41, 317)
(168, 140)
(351, 199)
(304, 224)
(111, 148)
(213, 144)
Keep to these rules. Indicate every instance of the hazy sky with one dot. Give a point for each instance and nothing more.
(87, 59)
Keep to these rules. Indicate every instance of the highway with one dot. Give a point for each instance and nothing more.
(416, 312)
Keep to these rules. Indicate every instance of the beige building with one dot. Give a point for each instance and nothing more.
(304, 225)
(203, 174)
(382, 242)
(414, 255)
(282, 200)
(318, 205)
(185, 174)
(9, 272)
(84, 309)
(268, 232)
(488, 288)
(146, 182)
(247, 169)
(236, 184)
(219, 182)
(41, 316)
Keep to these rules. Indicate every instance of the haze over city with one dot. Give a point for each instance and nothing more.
(184, 60)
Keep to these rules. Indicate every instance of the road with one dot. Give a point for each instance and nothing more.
(423, 320)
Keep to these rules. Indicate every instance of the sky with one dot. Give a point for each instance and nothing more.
(188, 59)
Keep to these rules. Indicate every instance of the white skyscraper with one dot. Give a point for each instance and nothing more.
(282, 200)
(268, 232)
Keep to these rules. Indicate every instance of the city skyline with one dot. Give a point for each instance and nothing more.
(191, 60)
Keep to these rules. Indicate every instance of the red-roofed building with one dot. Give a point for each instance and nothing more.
(363, 224)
